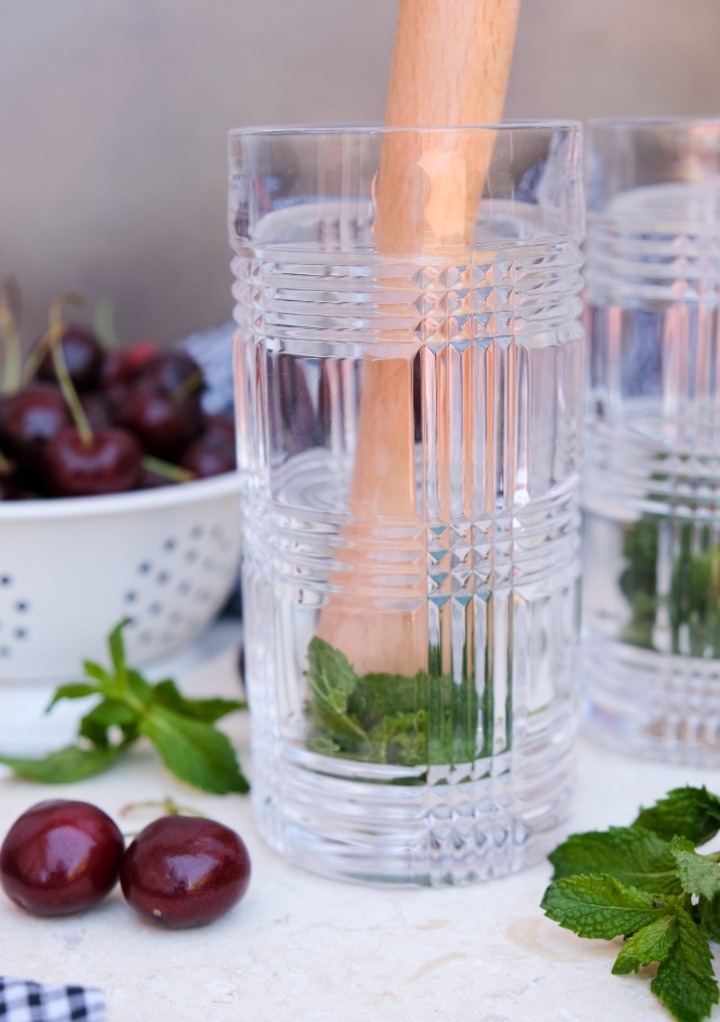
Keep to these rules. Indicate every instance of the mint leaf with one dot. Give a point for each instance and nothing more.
(103, 678)
(194, 751)
(332, 680)
(708, 918)
(96, 724)
(117, 647)
(77, 690)
(693, 813)
(650, 944)
(166, 693)
(632, 855)
(685, 981)
(600, 906)
(331, 676)
(136, 687)
(698, 874)
(65, 766)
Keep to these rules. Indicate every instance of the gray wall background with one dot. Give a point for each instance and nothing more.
(114, 118)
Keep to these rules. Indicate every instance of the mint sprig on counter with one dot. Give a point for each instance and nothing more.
(129, 707)
(648, 884)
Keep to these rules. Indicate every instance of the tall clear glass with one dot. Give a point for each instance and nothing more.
(652, 481)
(409, 408)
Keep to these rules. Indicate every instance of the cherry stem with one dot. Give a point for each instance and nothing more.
(168, 805)
(186, 388)
(166, 470)
(54, 335)
(10, 316)
(104, 324)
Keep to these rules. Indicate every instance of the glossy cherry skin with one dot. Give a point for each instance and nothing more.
(219, 428)
(169, 371)
(59, 857)
(213, 452)
(120, 367)
(183, 871)
(205, 459)
(163, 426)
(29, 419)
(110, 463)
(83, 355)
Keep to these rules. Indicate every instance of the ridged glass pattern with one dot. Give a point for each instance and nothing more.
(652, 481)
(455, 548)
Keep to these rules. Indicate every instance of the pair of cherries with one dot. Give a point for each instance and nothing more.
(64, 856)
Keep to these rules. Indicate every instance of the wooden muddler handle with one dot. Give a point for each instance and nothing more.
(450, 67)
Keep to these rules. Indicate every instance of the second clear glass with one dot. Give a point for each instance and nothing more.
(651, 659)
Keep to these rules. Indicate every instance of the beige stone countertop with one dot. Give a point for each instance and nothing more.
(299, 948)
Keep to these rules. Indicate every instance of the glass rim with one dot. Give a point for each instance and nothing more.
(675, 121)
(305, 130)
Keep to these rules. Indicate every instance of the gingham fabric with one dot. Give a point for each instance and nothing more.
(22, 1000)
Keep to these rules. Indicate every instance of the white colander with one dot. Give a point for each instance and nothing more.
(71, 568)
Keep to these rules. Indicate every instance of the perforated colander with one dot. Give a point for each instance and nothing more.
(70, 569)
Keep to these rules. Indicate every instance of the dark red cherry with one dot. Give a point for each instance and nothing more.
(98, 408)
(172, 372)
(10, 486)
(83, 355)
(185, 871)
(59, 857)
(121, 367)
(110, 462)
(219, 428)
(206, 459)
(163, 426)
(29, 419)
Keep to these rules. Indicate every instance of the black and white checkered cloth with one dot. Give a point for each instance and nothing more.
(22, 1000)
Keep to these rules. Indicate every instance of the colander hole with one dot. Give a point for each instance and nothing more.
(169, 544)
(130, 597)
(4, 651)
(21, 606)
(184, 587)
(5, 580)
(145, 568)
(162, 578)
(20, 633)
(155, 609)
(197, 531)
(191, 556)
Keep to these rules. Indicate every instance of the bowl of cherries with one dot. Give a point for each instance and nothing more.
(119, 498)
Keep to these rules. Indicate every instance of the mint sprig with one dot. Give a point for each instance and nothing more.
(648, 884)
(129, 708)
(423, 719)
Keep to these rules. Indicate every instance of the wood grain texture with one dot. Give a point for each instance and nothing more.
(451, 62)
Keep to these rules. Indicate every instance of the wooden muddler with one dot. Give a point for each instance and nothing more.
(450, 66)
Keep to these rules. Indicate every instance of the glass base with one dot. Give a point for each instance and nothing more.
(652, 705)
(374, 824)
